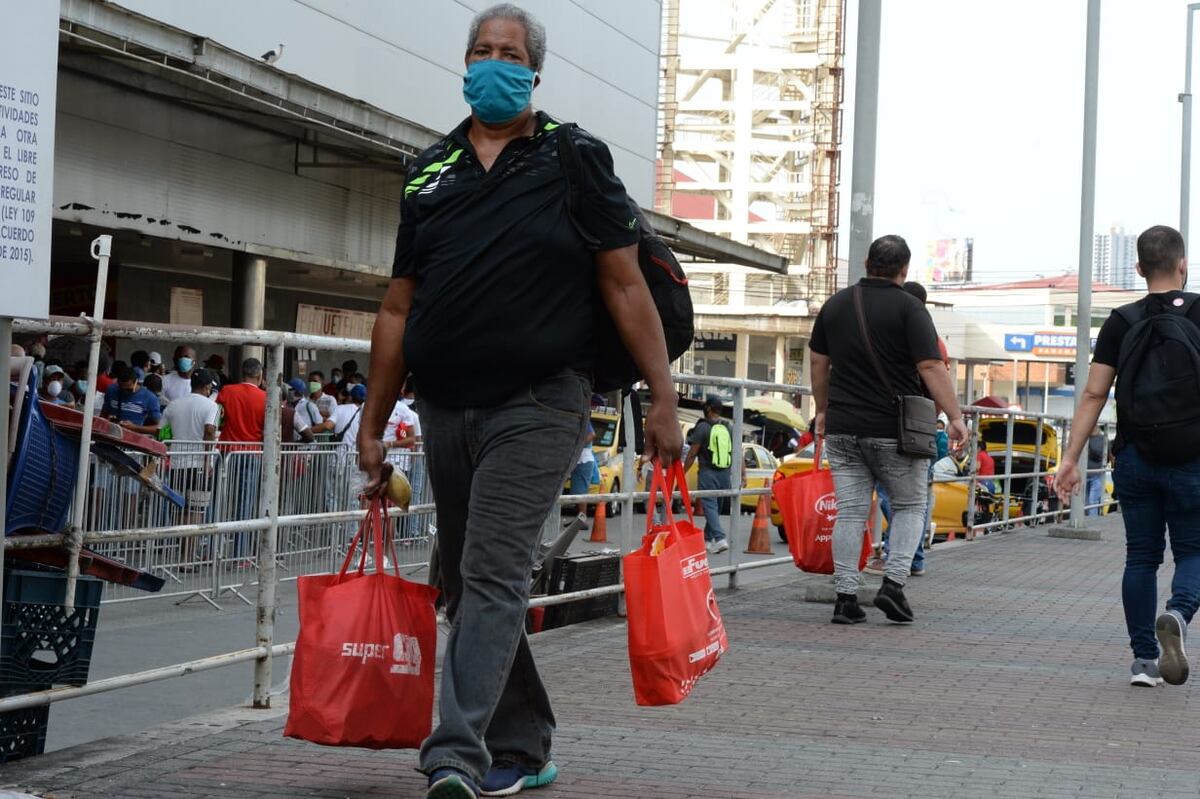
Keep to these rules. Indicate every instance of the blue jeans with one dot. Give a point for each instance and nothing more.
(713, 480)
(885, 507)
(244, 479)
(857, 464)
(1095, 492)
(1156, 498)
(496, 474)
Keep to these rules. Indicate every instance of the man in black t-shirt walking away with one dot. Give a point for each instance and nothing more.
(1151, 348)
(491, 309)
(858, 417)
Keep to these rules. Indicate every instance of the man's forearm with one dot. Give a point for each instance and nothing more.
(1082, 424)
(388, 368)
(937, 380)
(629, 303)
(820, 380)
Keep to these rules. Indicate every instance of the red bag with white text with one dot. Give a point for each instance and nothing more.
(675, 630)
(362, 674)
(808, 504)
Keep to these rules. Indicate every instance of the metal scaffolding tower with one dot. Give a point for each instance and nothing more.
(751, 117)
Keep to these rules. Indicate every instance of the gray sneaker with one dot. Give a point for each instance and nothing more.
(1144, 673)
(1171, 630)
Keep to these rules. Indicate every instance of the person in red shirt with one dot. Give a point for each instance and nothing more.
(985, 465)
(244, 407)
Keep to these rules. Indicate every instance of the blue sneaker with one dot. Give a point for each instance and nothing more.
(505, 778)
(447, 783)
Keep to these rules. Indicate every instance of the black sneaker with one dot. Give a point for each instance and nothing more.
(891, 601)
(847, 611)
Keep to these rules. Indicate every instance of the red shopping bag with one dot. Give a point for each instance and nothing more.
(362, 674)
(808, 504)
(676, 634)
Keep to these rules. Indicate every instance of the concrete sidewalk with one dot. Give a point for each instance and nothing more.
(1012, 683)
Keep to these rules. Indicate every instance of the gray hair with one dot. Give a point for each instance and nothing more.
(535, 32)
(251, 367)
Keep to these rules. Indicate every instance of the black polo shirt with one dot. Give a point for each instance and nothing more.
(903, 334)
(505, 282)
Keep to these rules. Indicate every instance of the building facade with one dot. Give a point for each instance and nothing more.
(266, 195)
(1114, 256)
(750, 148)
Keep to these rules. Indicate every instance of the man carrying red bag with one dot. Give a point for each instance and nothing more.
(874, 344)
(491, 309)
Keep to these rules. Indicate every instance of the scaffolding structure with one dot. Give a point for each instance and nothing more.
(751, 125)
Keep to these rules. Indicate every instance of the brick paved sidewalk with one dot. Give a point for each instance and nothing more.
(1012, 683)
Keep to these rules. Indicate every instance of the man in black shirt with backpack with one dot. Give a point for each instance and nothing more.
(1152, 349)
(500, 274)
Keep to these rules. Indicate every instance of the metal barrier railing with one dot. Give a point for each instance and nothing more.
(279, 511)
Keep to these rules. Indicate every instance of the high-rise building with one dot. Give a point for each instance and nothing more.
(1113, 257)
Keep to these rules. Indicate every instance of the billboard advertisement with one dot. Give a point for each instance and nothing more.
(947, 261)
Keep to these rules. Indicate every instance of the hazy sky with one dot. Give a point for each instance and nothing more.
(981, 125)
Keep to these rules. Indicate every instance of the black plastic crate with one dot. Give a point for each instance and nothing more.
(42, 642)
(22, 732)
(571, 573)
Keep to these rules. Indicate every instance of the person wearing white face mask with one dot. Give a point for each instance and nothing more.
(52, 387)
(178, 384)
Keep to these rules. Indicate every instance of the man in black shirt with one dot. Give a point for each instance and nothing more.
(490, 308)
(1158, 493)
(859, 419)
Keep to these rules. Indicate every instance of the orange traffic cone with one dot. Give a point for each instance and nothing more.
(760, 531)
(600, 525)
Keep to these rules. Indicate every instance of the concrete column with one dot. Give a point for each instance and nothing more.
(810, 405)
(741, 365)
(248, 306)
(970, 389)
(781, 359)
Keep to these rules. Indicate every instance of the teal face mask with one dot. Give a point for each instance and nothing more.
(498, 91)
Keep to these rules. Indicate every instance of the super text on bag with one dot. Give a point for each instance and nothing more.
(406, 653)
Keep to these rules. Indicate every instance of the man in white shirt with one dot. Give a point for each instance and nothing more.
(344, 412)
(178, 384)
(192, 419)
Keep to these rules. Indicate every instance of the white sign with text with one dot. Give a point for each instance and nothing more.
(28, 77)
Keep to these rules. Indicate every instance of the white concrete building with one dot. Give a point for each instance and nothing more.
(266, 195)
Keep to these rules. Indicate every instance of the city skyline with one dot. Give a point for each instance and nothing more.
(981, 136)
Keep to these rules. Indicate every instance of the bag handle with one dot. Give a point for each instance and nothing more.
(866, 333)
(371, 530)
(665, 480)
(818, 451)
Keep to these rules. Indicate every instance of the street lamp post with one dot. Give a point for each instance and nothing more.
(1185, 161)
(1087, 214)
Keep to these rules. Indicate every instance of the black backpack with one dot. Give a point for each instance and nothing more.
(1158, 382)
(613, 366)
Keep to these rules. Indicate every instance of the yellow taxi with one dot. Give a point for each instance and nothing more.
(609, 449)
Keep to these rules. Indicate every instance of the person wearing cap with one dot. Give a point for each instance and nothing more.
(54, 385)
(191, 421)
(178, 383)
(156, 363)
(711, 444)
(131, 405)
(216, 364)
(300, 429)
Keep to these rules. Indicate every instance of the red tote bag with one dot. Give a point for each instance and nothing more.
(676, 635)
(362, 674)
(808, 504)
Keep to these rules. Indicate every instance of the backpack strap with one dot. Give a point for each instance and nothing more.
(572, 167)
